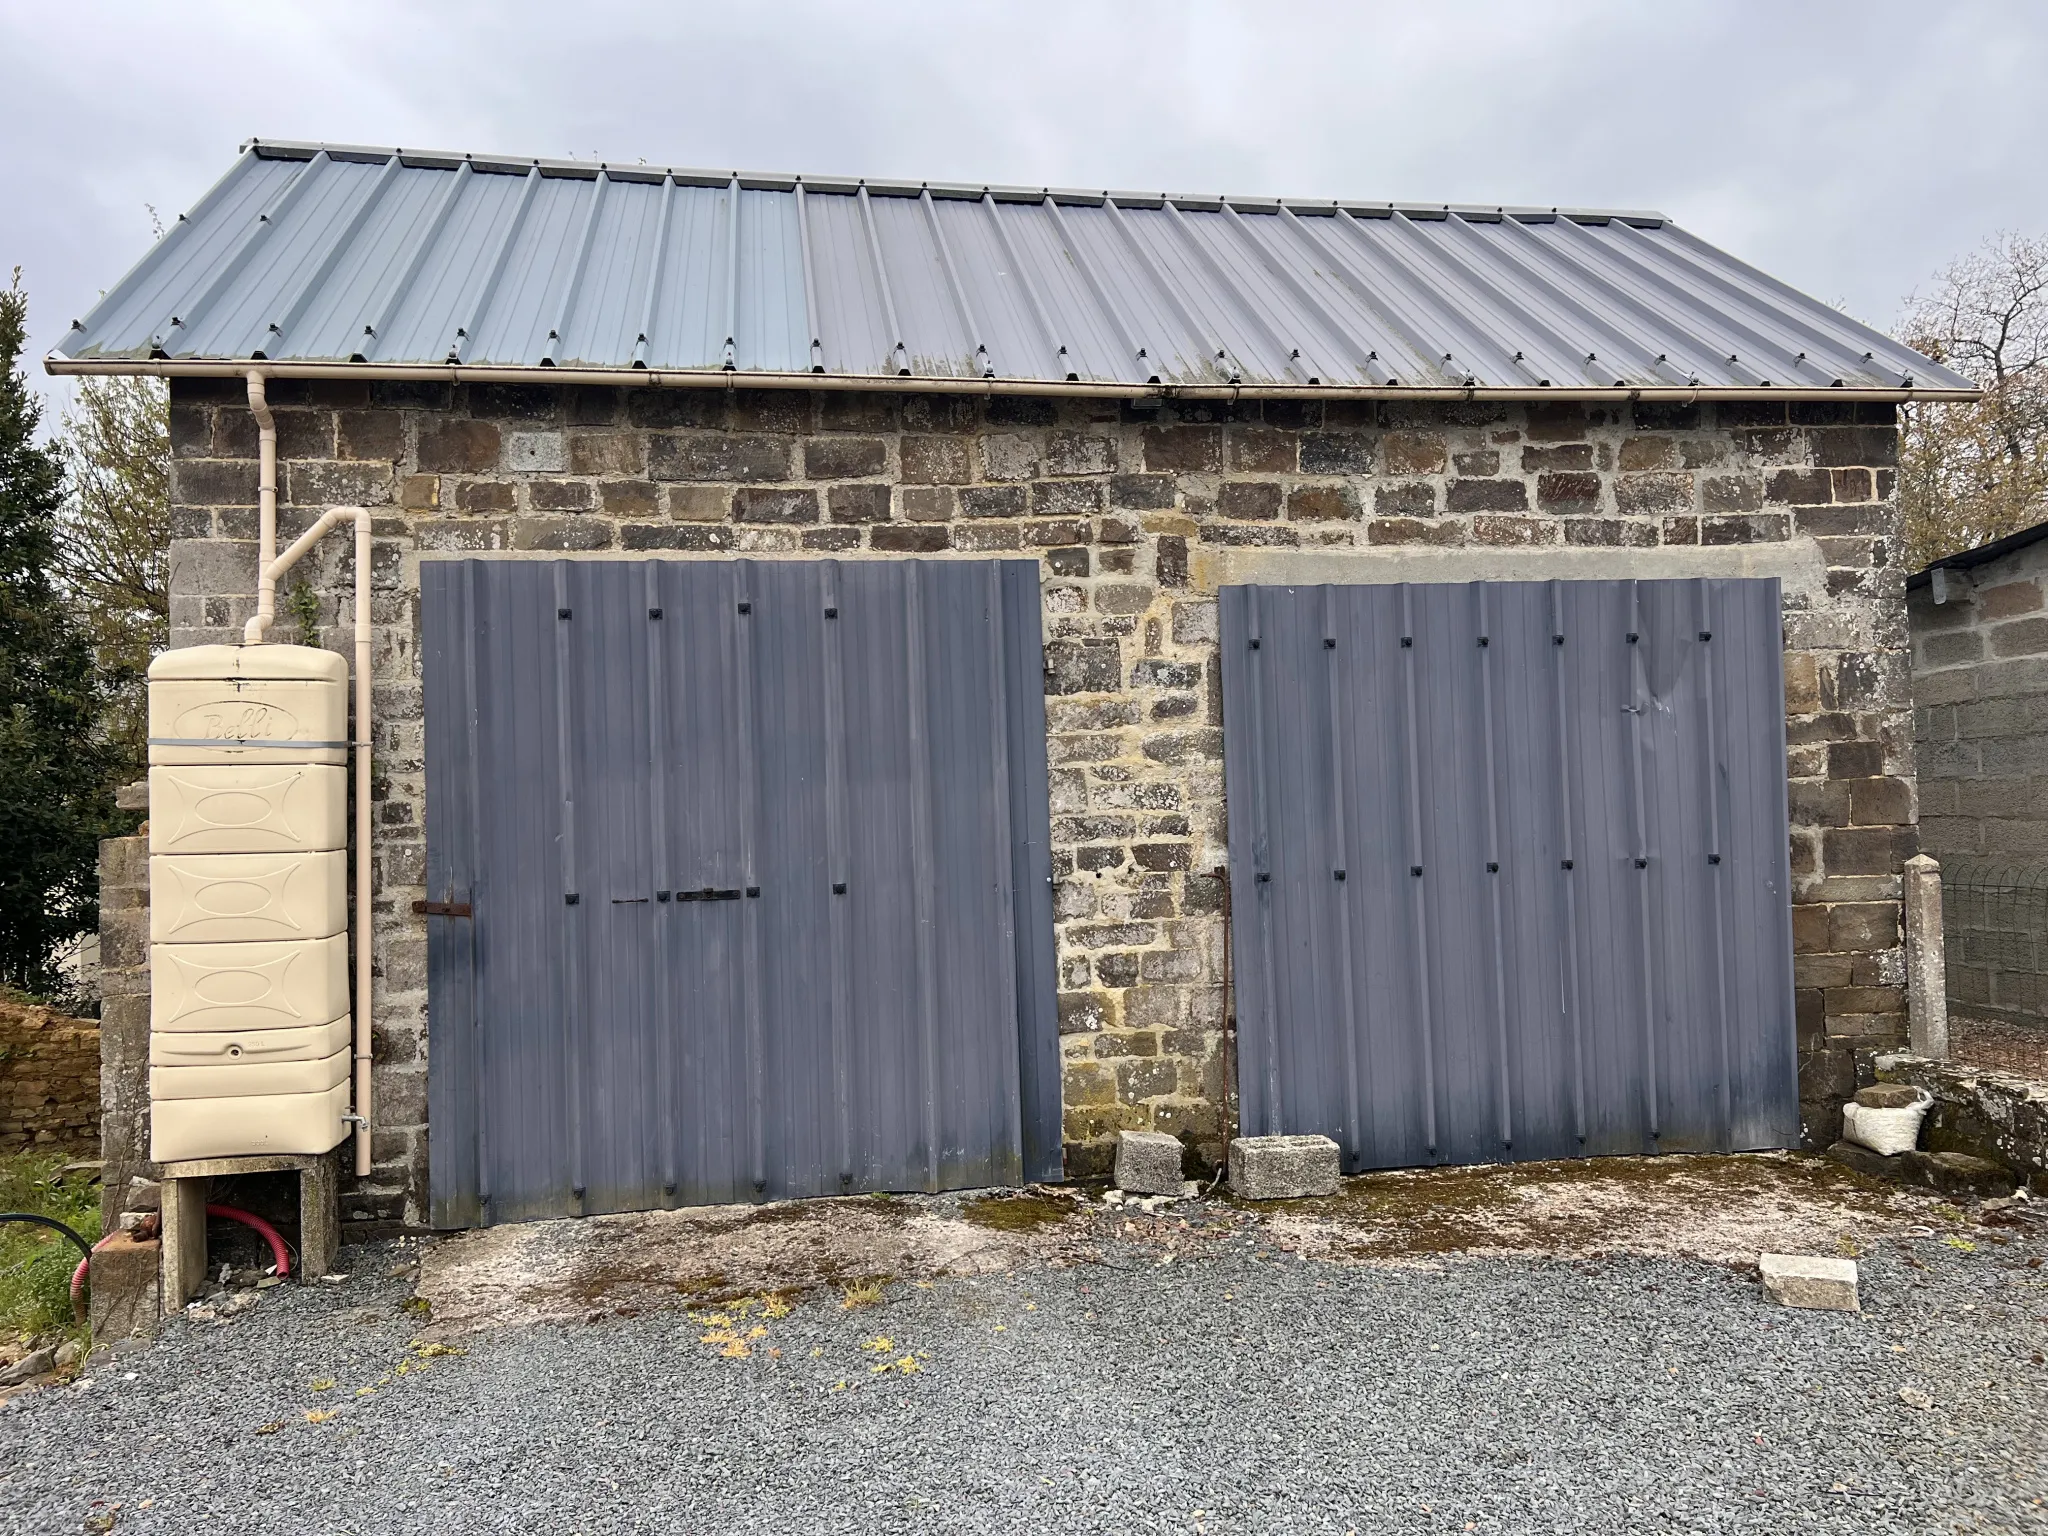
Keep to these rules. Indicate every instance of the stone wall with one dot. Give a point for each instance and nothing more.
(1998, 1116)
(1136, 511)
(1980, 691)
(124, 1020)
(49, 1081)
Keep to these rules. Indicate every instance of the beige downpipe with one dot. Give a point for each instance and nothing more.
(271, 566)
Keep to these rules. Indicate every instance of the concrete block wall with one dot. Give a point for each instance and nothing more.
(1135, 511)
(1980, 691)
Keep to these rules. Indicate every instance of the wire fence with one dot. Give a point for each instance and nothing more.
(1995, 933)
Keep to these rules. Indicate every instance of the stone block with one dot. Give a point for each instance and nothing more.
(1282, 1167)
(458, 447)
(1148, 1162)
(123, 1300)
(536, 452)
(1809, 1281)
(1888, 1096)
(1957, 1175)
(1876, 1165)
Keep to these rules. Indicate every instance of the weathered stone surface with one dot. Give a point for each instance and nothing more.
(1148, 1162)
(1808, 1281)
(1853, 1154)
(1888, 1096)
(1958, 1175)
(123, 1302)
(35, 1363)
(1998, 1117)
(49, 1081)
(1282, 1167)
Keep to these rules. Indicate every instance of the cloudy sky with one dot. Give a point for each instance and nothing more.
(1852, 149)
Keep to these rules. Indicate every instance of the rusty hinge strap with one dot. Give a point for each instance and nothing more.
(441, 908)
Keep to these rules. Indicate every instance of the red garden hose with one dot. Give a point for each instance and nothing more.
(256, 1223)
(262, 1229)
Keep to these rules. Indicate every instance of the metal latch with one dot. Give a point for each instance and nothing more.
(441, 908)
(708, 894)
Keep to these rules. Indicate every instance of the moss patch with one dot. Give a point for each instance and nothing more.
(1581, 1205)
(1016, 1213)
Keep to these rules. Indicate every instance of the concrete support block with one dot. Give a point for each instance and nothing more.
(1148, 1162)
(319, 1223)
(184, 1241)
(124, 1301)
(1806, 1280)
(1926, 973)
(183, 1198)
(1282, 1167)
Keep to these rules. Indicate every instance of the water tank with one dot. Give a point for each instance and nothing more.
(248, 836)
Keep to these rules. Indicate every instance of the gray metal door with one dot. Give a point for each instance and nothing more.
(738, 882)
(1508, 867)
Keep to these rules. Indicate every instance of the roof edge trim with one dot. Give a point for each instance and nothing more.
(57, 363)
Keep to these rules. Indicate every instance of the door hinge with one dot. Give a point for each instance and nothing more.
(441, 908)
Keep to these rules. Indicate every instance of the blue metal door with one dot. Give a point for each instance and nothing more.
(739, 882)
(1508, 867)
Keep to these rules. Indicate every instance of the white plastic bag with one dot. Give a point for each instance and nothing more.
(1887, 1131)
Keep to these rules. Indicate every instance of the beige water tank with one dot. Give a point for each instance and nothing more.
(215, 705)
(247, 808)
(230, 898)
(249, 1003)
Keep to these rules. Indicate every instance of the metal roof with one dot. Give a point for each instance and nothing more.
(329, 258)
(1981, 554)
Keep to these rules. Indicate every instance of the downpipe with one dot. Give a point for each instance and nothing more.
(272, 567)
(266, 511)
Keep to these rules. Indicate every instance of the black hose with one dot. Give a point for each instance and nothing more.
(47, 1221)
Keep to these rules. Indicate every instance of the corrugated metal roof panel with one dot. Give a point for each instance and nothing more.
(316, 254)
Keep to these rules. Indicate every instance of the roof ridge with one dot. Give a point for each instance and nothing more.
(305, 149)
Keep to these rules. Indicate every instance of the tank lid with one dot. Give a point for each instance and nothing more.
(273, 662)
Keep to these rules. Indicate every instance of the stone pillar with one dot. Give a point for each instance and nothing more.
(1926, 975)
(124, 1021)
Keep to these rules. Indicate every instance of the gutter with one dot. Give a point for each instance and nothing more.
(721, 378)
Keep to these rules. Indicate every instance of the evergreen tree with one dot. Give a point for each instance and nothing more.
(56, 769)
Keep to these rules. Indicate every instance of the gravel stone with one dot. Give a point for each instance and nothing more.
(1240, 1388)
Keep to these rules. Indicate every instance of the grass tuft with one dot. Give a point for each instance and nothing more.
(36, 1263)
(861, 1293)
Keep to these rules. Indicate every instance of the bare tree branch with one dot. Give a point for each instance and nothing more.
(1973, 472)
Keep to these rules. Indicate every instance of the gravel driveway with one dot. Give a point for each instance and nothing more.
(1239, 1388)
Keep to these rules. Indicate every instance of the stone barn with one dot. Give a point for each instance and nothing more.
(885, 685)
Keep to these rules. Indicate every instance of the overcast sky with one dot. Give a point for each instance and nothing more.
(1851, 149)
